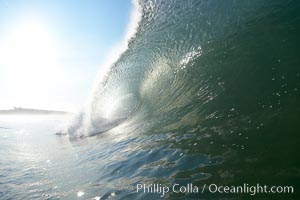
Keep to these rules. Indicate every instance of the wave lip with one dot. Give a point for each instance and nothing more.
(90, 121)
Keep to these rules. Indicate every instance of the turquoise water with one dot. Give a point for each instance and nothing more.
(207, 92)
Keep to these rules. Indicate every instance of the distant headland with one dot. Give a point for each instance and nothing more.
(30, 111)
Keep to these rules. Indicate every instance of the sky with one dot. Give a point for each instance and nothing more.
(51, 50)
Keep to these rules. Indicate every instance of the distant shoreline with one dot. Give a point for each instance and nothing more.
(28, 111)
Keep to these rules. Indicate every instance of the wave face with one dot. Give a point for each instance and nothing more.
(214, 77)
(203, 61)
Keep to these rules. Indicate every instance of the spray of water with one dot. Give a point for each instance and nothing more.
(81, 124)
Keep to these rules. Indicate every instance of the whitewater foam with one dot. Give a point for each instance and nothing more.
(81, 124)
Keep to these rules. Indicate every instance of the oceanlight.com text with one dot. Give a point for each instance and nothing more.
(250, 189)
(245, 188)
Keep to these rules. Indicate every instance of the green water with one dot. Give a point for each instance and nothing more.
(208, 92)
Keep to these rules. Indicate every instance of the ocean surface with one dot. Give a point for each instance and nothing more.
(205, 92)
